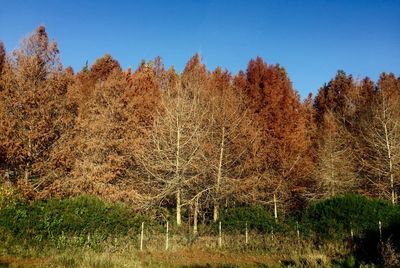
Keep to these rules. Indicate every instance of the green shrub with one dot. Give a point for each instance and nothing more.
(335, 217)
(79, 216)
(257, 218)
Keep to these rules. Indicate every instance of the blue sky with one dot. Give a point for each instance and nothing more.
(311, 39)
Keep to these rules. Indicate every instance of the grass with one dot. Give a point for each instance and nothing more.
(201, 252)
(190, 257)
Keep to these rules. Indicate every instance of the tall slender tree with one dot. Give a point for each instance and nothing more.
(335, 169)
(230, 138)
(284, 156)
(381, 129)
(32, 108)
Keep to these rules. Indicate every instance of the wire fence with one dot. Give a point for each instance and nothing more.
(170, 237)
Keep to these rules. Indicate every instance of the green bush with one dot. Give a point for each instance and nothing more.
(77, 216)
(257, 218)
(335, 217)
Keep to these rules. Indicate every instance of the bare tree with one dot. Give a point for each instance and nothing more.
(172, 157)
(381, 131)
(335, 170)
(230, 137)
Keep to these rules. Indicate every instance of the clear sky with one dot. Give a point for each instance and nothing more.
(311, 39)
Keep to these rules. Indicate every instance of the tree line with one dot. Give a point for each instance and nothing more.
(194, 141)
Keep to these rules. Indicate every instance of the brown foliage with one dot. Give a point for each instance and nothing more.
(284, 157)
(144, 88)
(32, 111)
(108, 129)
(103, 67)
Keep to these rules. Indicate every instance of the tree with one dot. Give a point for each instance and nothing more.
(338, 96)
(86, 79)
(32, 112)
(103, 67)
(381, 129)
(339, 106)
(230, 137)
(172, 155)
(335, 170)
(109, 128)
(284, 157)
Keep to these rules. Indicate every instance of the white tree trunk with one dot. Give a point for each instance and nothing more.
(178, 208)
(389, 155)
(195, 216)
(141, 237)
(219, 176)
(178, 193)
(275, 209)
(219, 235)
(167, 238)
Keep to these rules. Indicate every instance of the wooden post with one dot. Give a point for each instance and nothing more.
(272, 233)
(275, 209)
(351, 231)
(141, 237)
(247, 235)
(167, 238)
(298, 231)
(220, 235)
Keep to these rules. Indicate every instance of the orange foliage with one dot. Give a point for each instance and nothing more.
(208, 137)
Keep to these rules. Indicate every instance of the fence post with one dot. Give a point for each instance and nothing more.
(167, 238)
(247, 235)
(298, 231)
(141, 237)
(351, 231)
(220, 235)
(272, 233)
(380, 231)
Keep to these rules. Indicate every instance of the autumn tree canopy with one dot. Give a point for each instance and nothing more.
(193, 141)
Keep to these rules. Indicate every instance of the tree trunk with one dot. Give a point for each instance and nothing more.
(389, 154)
(26, 173)
(216, 211)
(196, 211)
(178, 208)
(219, 176)
(178, 193)
(275, 209)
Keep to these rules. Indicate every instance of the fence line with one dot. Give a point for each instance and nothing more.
(181, 238)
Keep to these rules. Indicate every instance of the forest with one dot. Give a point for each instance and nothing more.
(192, 143)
